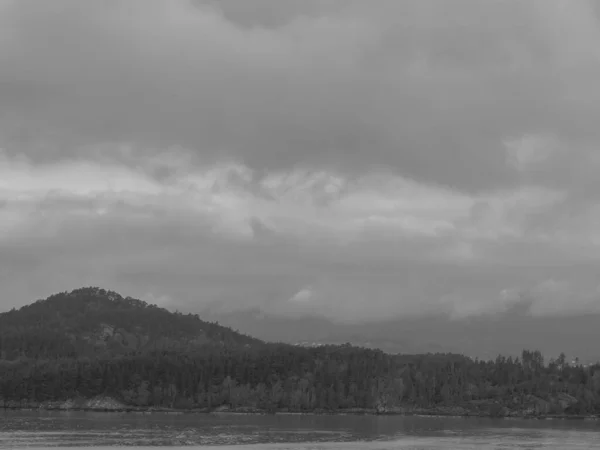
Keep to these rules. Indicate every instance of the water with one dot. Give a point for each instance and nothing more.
(288, 432)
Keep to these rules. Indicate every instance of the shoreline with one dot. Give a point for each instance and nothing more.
(262, 412)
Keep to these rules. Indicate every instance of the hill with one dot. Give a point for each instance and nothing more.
(92, 348)
(93, 322)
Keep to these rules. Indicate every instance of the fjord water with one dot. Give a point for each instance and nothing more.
(80, 429)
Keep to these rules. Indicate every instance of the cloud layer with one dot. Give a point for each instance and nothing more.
(339, 157)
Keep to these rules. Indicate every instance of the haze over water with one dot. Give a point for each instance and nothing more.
(78, 430)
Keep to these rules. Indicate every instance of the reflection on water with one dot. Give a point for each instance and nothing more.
(75, 429)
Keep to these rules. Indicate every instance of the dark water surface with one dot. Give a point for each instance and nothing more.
(77, 429)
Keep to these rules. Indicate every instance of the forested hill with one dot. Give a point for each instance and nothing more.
(94, 349)
(94, 322)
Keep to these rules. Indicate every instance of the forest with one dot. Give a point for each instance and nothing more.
(92, 343)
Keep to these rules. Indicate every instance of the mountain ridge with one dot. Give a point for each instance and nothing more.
(483, 336)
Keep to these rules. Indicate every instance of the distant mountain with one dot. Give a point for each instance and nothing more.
(484, 337)
(93, 321)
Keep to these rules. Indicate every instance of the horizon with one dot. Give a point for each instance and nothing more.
(217, 309)
(115, 296)
(350, 160)
(317, 331)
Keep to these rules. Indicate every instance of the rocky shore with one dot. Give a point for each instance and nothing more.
(475, 409)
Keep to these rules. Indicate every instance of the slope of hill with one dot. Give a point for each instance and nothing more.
(94, 322)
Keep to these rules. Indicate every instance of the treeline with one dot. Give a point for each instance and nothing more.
(282, 377)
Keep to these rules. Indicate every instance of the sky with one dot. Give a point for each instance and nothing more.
(348, 158)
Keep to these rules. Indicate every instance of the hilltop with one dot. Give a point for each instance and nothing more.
(94, 322)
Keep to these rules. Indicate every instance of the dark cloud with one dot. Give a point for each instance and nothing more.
(427, 88)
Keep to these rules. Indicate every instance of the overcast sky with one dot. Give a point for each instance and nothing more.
(358, 159)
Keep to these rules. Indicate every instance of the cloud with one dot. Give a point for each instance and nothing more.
(530, 151)
(231, 198)
(548, 297)
(394, 157)
(430, 93)
(302, 296)
(186, 234)
(551, 296)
